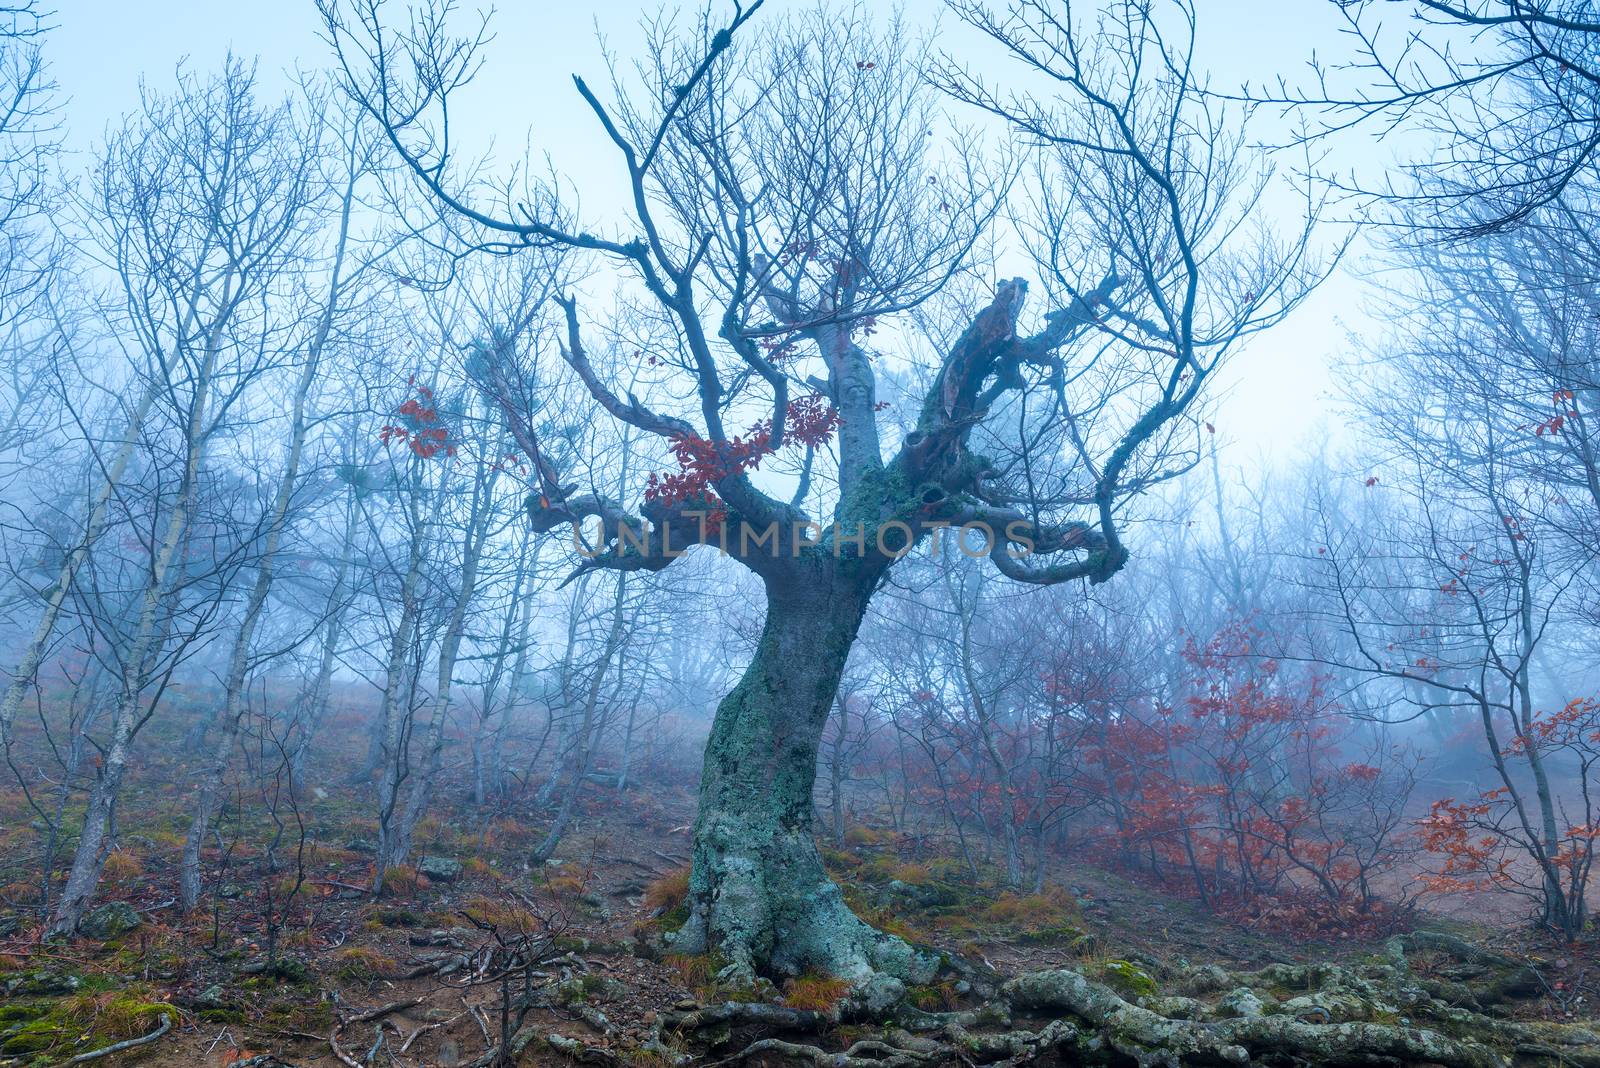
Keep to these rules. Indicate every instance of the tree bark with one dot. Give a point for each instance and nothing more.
(211, 788)
(588, 729)
(315, 704)
(148, 635)
(758, 894)
(398, 842)
(397, 712)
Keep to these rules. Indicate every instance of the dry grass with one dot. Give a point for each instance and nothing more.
(819, 993)
(482, 868)
(883, 869)
(19, 892)
(404, 879)
(697, 972)
(669, 891)
(940, 997)
(1031, 911)
(119, 1014)
(506, 915)
(862, 835)
(567, 884)
(121, 866)
(361, 964)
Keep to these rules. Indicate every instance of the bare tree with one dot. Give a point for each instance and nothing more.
(786, 198)
(199, 206)
(352, 156)
(1502, 91)
(1451, 593)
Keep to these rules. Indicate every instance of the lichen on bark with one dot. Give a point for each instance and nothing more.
(759, 895)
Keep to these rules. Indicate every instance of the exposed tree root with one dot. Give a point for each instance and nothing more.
(864, 1054)
(773, 910)
(118, 1047)
(365, 1017)
(1343, 1016)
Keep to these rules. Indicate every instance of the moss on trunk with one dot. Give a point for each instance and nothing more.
(759, 896)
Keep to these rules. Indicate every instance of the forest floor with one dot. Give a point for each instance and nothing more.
(408, 979)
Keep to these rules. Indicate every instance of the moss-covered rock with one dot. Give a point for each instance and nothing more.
(42, 982)
(1241, 1002)
(1127, 977)
(111, 920)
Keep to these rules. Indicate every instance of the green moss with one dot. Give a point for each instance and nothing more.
(81, 1020)
(289, 1015)
(937, 997)
(22, 1012)
(398, 917)
(36, 1036)
(127, 1015)
(571, 944)
(1127, 978)
(1065, 934)
(285, 970)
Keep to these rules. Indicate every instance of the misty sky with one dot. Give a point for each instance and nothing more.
(1273, 400)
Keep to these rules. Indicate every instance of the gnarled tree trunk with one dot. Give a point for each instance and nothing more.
(758, 894)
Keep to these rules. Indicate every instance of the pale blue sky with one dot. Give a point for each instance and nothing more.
(1272, 399)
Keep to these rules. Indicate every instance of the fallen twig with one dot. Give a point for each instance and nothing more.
(118, 1047)
(426, 1028)
(365, 1017)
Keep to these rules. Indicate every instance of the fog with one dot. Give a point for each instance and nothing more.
(837, 523)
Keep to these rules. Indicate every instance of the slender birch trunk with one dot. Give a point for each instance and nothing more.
(398, 843)
(94, 840)
(211, 787)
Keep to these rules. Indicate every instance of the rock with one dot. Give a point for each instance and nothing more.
(607, 988)
(440, 869)
(589, 988)
(42, 983)
(361, 845)
(898, 893)
(1128, 978)
(592, 1016)
(110, 920)
(878, 996)
(1240, 1003)
(212, 997)
(229, 891)
(1205, 978)
(596, 904)
(1174, 1007)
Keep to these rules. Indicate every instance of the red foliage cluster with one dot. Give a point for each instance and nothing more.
(1249, 794)
(1553, 425)
(811, 421)
(418, 426)
(1249, 791)
(1486, 844)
